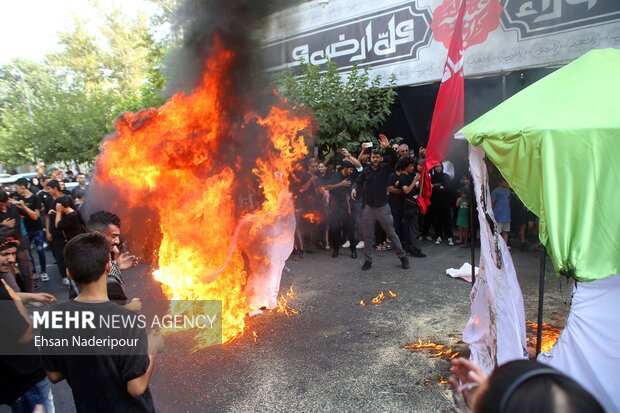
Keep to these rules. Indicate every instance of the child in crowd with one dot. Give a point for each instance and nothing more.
(462, 219)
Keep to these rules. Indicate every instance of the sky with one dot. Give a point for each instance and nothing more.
(28, 27)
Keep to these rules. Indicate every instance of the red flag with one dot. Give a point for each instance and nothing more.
(449, 109)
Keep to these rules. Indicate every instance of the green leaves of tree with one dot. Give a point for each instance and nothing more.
(349, 109)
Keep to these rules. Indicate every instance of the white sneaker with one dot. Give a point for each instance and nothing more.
(346, 244)
(360, 245)
(35, 276)
(438, 241)
(450, 242)
(65, 281)
(44, 277)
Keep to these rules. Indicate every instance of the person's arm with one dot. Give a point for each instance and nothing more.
(55, 376)
(26, 335)
(32, 214)
(58, 217)
(347, 156)
(344, 182)
(359, 183)
(40, 297)
(408, 188)
(136, 387)
(48, 234)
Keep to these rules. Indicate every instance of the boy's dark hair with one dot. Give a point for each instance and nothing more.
(66, 201)
(86, 257)
(4, 197)
(22, 182)
(529, 386)
(376, 152)
(53, 183)
(100, 220)
(403, 163)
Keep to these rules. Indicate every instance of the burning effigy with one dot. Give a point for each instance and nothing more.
(208, 173)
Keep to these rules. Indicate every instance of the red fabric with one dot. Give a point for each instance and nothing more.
(449, 108)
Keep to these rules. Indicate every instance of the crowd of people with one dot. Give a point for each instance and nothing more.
(369, 202)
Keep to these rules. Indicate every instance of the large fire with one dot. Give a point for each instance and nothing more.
(210, 248)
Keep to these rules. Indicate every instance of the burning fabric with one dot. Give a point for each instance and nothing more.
(209, 171)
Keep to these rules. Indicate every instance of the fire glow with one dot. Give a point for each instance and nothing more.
(312, 217)
(283, 303)
(170, 159)
(435, 350)
(380, 298)
(550, 335)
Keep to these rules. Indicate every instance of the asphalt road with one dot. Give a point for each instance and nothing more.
(335, 355)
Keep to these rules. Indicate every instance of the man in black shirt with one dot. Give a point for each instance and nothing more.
(109, 225)
(409, 184)
(53, 234)
(11, 218)
(102, 380)
(23, 384)
(339, 215)
(30, 207)
(373, 181)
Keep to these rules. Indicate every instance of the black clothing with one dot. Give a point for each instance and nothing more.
(18, 373)
(395, 200)
(441, 196)
(71, 225)
(374, 183)
(99, 382)
(34, 203)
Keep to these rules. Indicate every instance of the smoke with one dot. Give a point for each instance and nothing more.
(236, 26)
(237, 23)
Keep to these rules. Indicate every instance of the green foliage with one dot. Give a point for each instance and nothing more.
(349, 110)
(61, 110)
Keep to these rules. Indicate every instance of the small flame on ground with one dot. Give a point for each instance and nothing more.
(380, 298)
(443, 380)
(550, 335)
(434, 349)
(283, 303)
(312, 217)
(254, 337)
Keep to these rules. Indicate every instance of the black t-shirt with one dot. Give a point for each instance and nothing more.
(18, 372)
(50, 205)
(374, 183)
(12, 213)
(34, 203)
(410, 198)
(71, 225)
(99, 382)
(395, 200)
(339, 197)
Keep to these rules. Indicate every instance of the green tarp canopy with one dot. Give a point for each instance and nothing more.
(557, 143)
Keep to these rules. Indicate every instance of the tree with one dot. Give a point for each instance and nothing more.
(349, 110)
(61, 110)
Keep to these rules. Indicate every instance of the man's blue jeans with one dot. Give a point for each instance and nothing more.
(40, 393)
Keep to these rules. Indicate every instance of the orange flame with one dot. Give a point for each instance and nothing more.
(312, 217)
(254, 337)
(169, 159)
(550, 335)
(283, 303)
(435, 350)
(380, 298)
